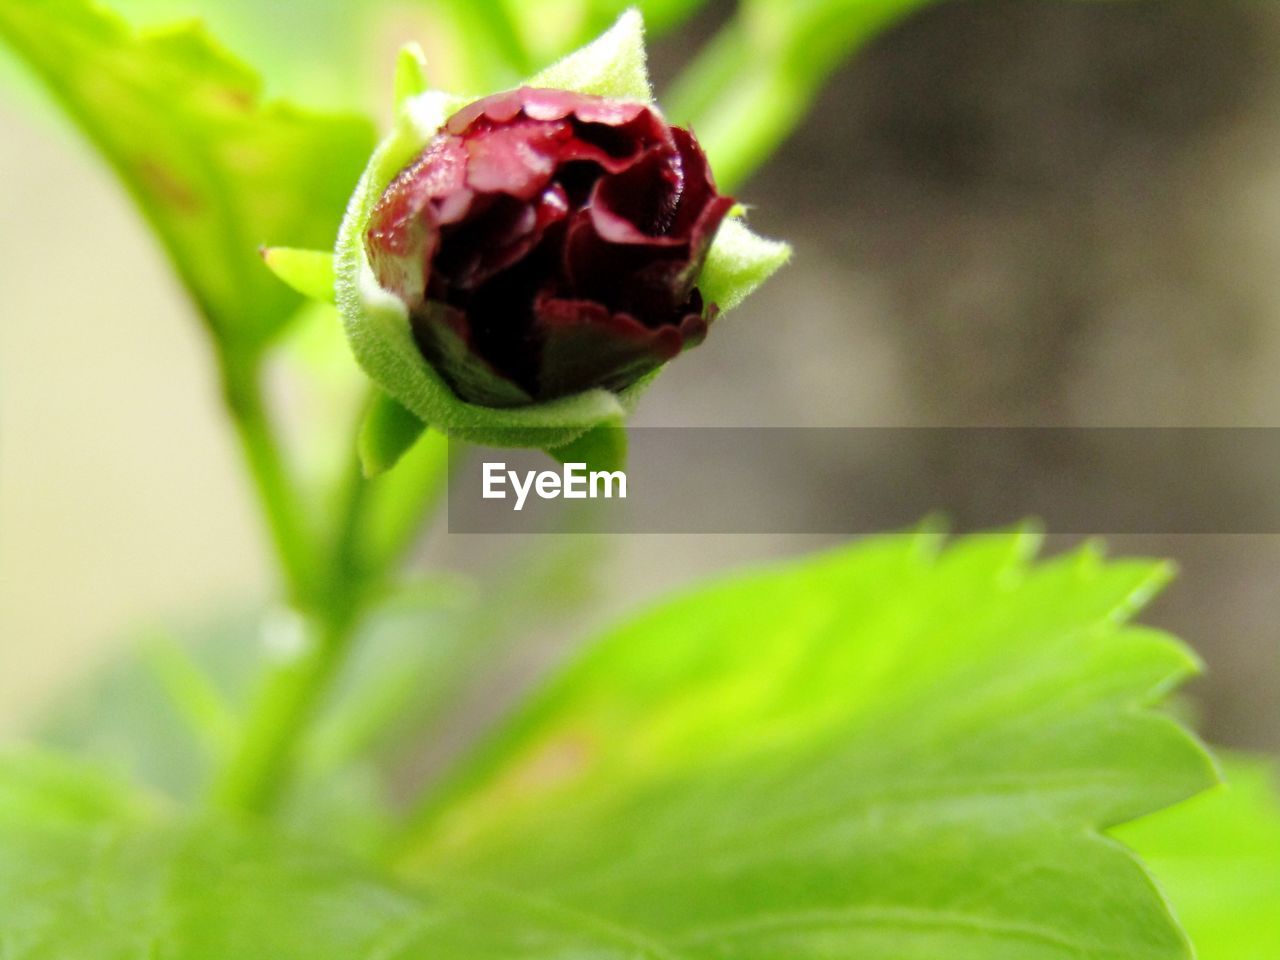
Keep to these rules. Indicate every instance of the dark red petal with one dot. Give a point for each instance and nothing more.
(584, 345)
(624, 277)
(499, 108)
(493, 240)
(403, 233)
(517, 159)
(699, 185)
(638, 204)
(540, 103)
(444, 337)
(702, 235)
(548, 242)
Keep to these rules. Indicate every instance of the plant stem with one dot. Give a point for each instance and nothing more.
(324, 588)
(330, 573)
(276, 491)
(260, 770)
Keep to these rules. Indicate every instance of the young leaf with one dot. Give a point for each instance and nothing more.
(216, 172)
(411, 74)
(884, 753)
(1218, 858)
(309, 272)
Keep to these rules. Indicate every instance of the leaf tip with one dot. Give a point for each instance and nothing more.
(411, 73)
(308, 272)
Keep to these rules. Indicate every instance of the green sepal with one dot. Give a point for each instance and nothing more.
(613, 65)
(411, 74)
(309, 272)
(738, 262)
(600, 448)
(387, 433)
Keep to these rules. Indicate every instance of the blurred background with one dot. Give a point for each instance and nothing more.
(1004, 212)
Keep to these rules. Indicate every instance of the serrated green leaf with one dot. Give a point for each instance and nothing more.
(309, 272)
(737, 263)
(886, 753)
(216, 172)
(614, 65)
(387, 433)
(1218, 859)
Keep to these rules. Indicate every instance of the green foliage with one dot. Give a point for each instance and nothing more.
(1218, 858)
(887, 752)
(215, 172)
(378, 324)
(90, 872)
(881, 753)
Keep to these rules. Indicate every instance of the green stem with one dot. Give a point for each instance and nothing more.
(323, 586)
(275, 488)
(330, 581)
(261, 769)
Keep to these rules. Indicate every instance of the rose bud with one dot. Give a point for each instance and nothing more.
(546, 242)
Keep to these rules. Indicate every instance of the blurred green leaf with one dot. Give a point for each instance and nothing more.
(128, 718)
(1218, 859)
(885, 753)
(88, 878)
(757, 79)
(216, 172)
(551, 28)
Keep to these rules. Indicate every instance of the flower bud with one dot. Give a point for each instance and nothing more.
(546, 242)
